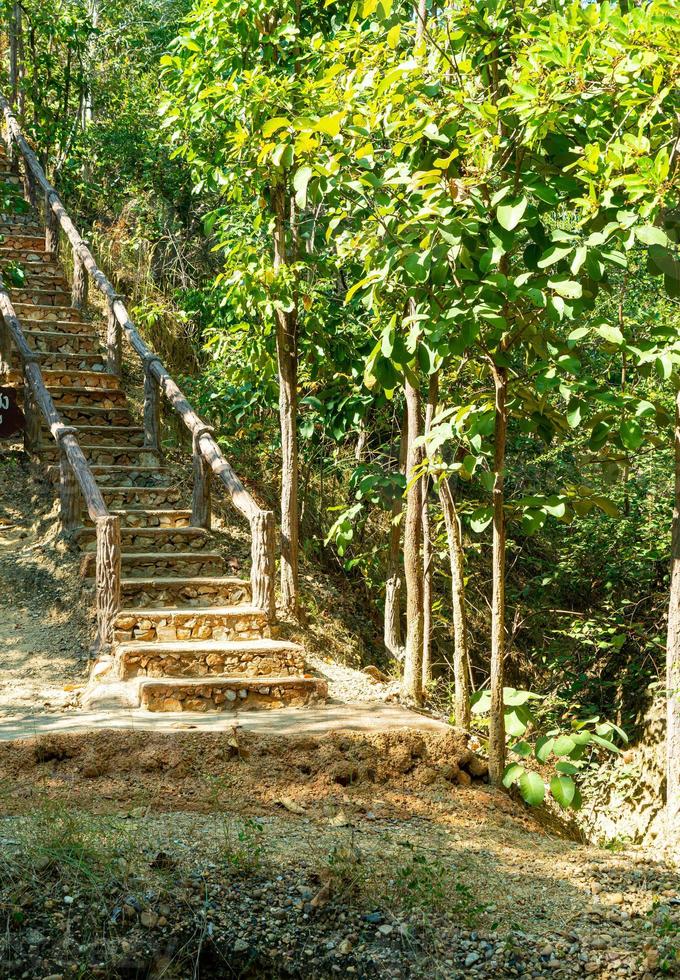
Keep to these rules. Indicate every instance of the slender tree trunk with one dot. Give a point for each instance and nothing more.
(421, 19)
(673, 658)
(428, 554)
(286, 349)
(412, 683)
(497, 720)
(393, 579)
(461, 656)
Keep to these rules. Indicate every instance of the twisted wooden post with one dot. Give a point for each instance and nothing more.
(30, 186)
(201, 511)
(81, 280)
(5, 347)
(32, 426)
(107, 576)
(114, 339)
(51, 228)
(69, 491)
(263, 565)
(152, 408)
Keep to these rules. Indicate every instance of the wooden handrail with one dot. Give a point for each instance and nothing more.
(261, 521)
(76, 479)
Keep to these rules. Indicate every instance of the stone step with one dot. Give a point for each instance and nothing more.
(132, 476)
(98, 455)
(82, 380)
(108, 435)
(48, 313)
(88, 414)
(21, 238)
(211, 625)
(139, 564)
(58, 342)
(52, 296)
(29, 257)
(151, 518)
(67, 329)
(122, 498)
(249, 656)
(185, 591)
(159, 540)
(64, 363)
(229, 693)
(37, 277)
(68, 395)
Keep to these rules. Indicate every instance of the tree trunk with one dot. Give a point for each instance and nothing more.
(428, 555)
(286, 349)
(393, 578)
(461, 657)
(673, 658)
(497, 719)
(412, 683)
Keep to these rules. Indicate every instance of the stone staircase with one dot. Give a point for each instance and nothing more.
(187, 636)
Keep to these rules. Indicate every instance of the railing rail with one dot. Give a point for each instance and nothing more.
(208, 459)
(76, 481)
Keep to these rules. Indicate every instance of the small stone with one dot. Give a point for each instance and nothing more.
(345, 947)
(385, 930)
(471, 959)
(240, 946)
(149, 919)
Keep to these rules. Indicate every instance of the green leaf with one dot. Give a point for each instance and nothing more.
(564, 745)
(566, 287)
(481, 518)
(300, 182)
(605, 743)
(544, 747)
(553, 255)
(611, 334)
(649, 235)
(631, 434)
(272, 125)
(563, 790)
(512, 773)
(522, 749)
(532, 788)
(568, 768)
(510, 213)
(330, 124)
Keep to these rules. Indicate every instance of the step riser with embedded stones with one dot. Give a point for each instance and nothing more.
(68, 329)
(182, 592)
(122, 476)
(41, 297)
(14, 239)
(66, 362)
(231, 663)
(148, 566)
(170, 626)
(119, 498)
(53, 342)
(82, 397)
(162, 540)
(94, 415)
(105, 455)
(29, 314)
(138, 518)
(29, 259)
(83, 379)
(228, 695)
(114, 435)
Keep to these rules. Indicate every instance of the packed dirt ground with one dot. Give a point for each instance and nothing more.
(190, 854)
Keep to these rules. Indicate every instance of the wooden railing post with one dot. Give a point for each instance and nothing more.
(263, 565)
(30, 186)
(201, 511)
(107, 577)
(69, 491)
(152, 407)
(51, 228)
(32, 424)
(5, 346)
(80, 281)
(114, 339)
